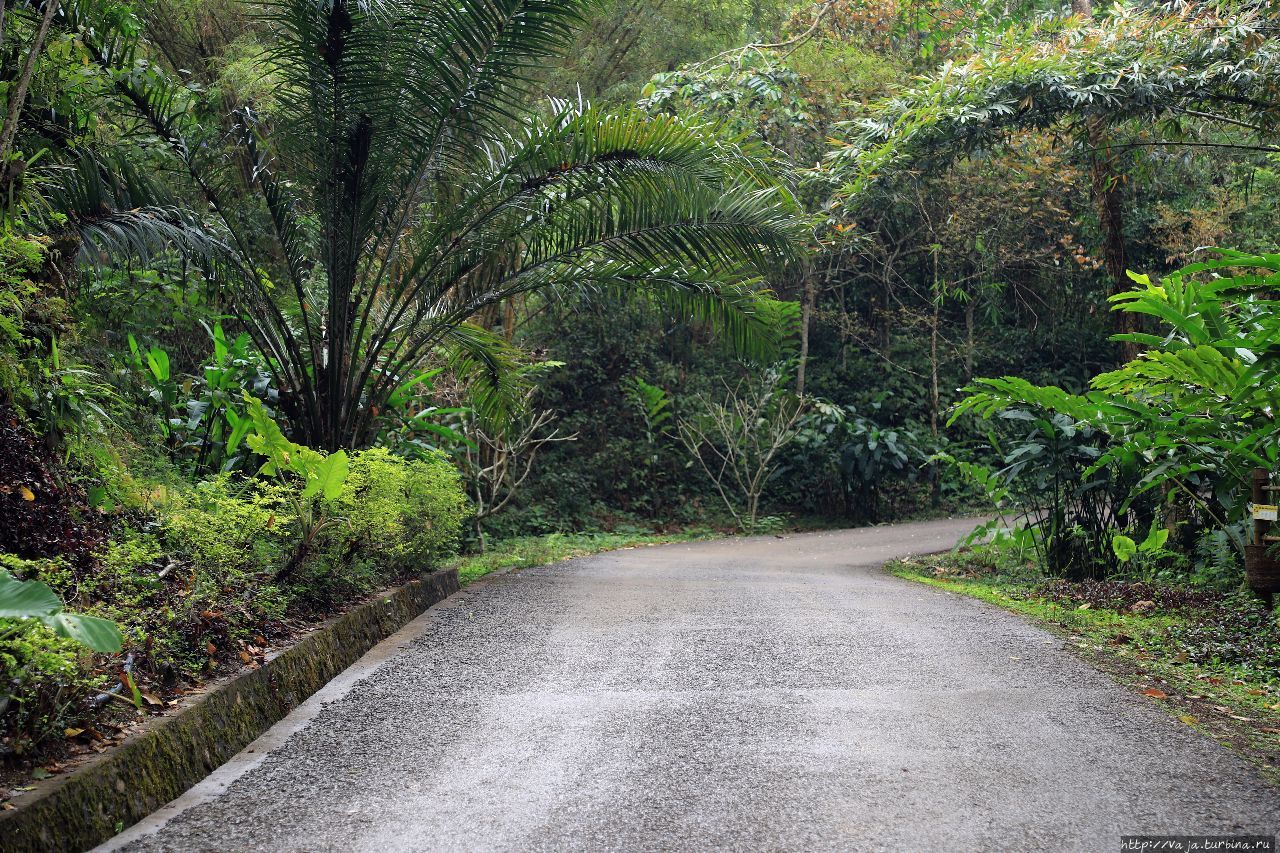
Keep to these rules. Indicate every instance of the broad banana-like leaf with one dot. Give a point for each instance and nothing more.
(101, 635)
(25, 599)
(34, 600)
(328, 476)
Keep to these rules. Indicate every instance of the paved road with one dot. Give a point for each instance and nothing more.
(761, 694)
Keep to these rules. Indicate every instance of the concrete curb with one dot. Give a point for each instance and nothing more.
(119, 788)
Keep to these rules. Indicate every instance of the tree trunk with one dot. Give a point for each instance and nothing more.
(806, 314)
(935, 486)
(11, 172)
(969, 343)
(886, 297)
(1105, 181)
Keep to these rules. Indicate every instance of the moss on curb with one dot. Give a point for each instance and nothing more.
(119, 788)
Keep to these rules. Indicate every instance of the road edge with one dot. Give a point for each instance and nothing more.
(125, 786)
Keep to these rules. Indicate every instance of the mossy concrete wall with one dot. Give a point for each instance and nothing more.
(120, 787)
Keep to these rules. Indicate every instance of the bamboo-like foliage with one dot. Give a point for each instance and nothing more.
(1169, 72)
(404, 189)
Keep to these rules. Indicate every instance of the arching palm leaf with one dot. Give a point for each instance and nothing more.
(405, 193)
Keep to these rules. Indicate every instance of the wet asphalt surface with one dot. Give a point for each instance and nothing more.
(760, 694)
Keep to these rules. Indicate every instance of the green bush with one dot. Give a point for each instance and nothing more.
(230, 531)
(392, 516)
(196, 580)
(435, 508)
(45, 683)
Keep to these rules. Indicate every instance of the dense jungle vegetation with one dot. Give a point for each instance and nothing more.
(301, 298)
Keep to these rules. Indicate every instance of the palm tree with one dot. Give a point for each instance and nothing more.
(402, 186)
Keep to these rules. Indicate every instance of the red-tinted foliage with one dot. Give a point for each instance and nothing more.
(42, 514)
(1122, 595)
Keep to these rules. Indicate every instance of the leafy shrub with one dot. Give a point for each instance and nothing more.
(44, 685)
(433, 511)
(1236, 632)
(391, 516)
(197, 580)
(1189, 416)
(228, 531)
(1217, 563)
(399, 510)
(372, 506)
(844, 458)
(1052, 474)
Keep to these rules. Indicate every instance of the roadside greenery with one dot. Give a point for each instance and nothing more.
(1168, 437)
(300, 300)
(268, 285)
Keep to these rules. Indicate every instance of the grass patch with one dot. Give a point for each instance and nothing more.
(1208, 658)
(527, 551)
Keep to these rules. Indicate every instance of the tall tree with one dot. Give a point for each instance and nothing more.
(1202, 77)
(404, 189)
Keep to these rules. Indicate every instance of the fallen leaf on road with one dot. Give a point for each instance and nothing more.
(1155, 694)
(1188, 719)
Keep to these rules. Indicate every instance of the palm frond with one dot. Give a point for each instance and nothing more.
(118, 210)
(489, 365)
(400, 190)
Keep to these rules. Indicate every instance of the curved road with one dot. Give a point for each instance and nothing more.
(758, 694)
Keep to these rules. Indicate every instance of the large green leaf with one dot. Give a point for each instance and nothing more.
(327, 476)
(25, 599)
(267, 439)
(34, 600)
(1123, 547)
(101, 635)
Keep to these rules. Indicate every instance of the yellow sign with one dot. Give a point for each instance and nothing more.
(1265, 512)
